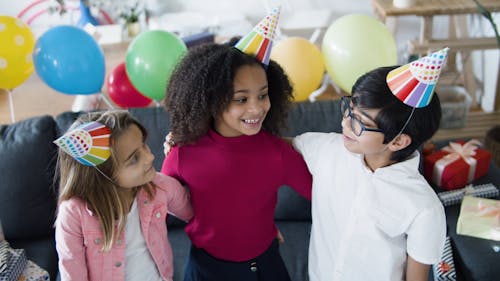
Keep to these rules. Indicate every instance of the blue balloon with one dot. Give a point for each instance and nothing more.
(70, 61)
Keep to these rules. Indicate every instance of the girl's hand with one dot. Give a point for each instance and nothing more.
(167, 145)
(280, 237)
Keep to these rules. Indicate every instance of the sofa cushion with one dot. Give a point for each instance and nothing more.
(157, 122)
(295, 248)
(41, 251)
(64, 121)
(321, 116)
(28, 195)
(291, 206)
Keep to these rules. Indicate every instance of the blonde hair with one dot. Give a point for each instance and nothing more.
(102, 196)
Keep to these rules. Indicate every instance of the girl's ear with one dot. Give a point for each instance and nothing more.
(400, 142)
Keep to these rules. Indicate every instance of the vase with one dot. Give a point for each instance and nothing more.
(133, 28)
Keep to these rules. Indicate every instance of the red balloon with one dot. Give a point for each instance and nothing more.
(121, 90)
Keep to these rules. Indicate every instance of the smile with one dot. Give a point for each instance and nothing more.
(251, 121)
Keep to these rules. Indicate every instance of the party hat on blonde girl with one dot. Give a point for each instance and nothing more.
(259, 41)
(87, 144)
(414, 83)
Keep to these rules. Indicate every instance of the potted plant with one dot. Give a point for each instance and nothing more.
(131, 16)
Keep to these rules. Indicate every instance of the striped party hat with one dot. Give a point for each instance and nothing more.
(88, 143)
(259, 41)
(414, 83)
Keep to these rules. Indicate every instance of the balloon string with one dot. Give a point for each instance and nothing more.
(157, 103)
(320, 90)
(11, 106)
(107, 101)
(315, 35)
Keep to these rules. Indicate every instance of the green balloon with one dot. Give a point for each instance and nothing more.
(355, 44)
(151, 58)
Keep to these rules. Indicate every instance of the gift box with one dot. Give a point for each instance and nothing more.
(479, 217)
(453, 197)
(444, 270)
(457, 164)
(4, 255)
(16, 263)
(33, 272)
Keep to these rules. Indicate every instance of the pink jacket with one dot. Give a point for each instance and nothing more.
(79, 236)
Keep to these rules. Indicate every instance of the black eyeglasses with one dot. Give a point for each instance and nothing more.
(357, 126)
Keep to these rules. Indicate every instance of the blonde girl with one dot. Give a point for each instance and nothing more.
(112, 203)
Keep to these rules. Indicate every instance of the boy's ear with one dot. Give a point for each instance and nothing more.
(400, 142)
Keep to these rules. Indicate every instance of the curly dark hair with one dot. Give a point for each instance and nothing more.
(201, 88)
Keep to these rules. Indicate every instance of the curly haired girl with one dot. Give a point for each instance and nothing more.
(226, 109)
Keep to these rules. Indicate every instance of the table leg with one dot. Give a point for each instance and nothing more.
(496, 98)
(426, 29)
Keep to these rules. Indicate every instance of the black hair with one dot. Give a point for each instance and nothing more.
(371, 92)
(201, 88)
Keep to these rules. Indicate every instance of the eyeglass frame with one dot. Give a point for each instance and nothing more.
(346, 106)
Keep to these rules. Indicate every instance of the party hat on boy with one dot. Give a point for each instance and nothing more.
(414, 82)
(259, 41)
(88, 143)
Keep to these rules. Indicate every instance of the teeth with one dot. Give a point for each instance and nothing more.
(251, 121)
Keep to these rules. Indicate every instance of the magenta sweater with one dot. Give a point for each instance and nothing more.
(234, 184)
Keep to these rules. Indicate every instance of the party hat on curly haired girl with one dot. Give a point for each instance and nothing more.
(414, 83)
(259, 41)
(87, 144)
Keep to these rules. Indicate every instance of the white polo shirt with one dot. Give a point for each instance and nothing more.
(364, 223)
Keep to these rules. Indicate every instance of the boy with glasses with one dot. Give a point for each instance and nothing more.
(374, 215)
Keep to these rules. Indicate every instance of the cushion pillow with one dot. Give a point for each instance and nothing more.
(28, 195)
(321, 116)
(157, 123)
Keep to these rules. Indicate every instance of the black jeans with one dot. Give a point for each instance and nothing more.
(269, 266)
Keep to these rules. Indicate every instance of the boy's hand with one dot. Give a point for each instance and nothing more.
(168, 144)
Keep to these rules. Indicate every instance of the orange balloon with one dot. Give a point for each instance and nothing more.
(302, 62)
(16, 52)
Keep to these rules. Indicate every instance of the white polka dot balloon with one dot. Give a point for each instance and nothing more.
(16, 50)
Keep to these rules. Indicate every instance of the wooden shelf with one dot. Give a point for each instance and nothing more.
(384, 8)
(476, 126)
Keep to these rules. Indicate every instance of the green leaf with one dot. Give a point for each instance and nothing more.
(483, 11)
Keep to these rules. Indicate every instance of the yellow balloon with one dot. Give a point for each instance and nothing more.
(16, 49)
(302, 62)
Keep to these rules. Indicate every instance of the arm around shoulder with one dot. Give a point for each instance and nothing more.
(296, 173)
(178, 199)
